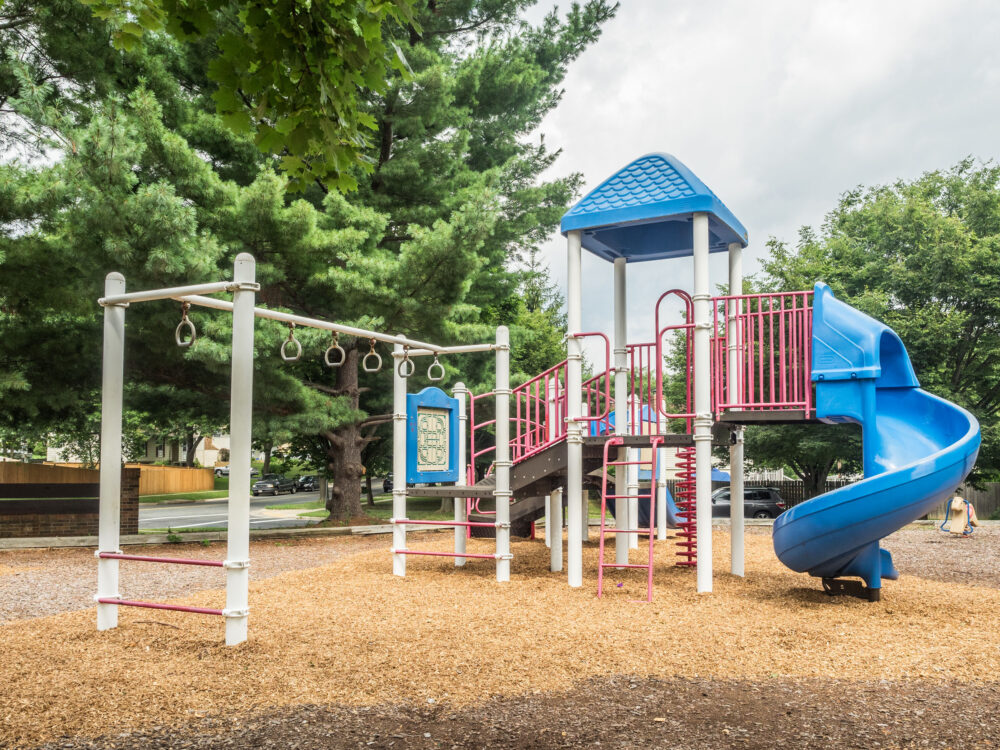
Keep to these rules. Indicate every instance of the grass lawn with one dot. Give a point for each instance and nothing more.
(205, 495)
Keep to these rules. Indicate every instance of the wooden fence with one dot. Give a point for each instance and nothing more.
(17, 473)
(153, 480)
(166, 480)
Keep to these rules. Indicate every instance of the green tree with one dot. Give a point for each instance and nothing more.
(293, 73)
(923, 257)
(144, 177)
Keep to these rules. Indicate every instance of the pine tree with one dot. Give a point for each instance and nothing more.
(144, 177)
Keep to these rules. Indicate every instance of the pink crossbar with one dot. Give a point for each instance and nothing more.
(613, 530)
(616, 565)
(155, 605)
(470, 524)
(443, 554)
(174, 560)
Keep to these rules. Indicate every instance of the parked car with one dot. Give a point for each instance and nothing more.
(307, 483)
(387, 484)
(223, 471)
(758, 502)
(273, 484)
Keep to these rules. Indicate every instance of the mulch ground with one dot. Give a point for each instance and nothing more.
(343, 654)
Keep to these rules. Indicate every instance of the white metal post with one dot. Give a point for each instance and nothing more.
(556, 517)
(622, 507)
(502, 492)
(574, 409)
(661, 494)
(398, 462)
(240, 419)
(461, 393)
(702, 403)
(736, 525)
(112, 387)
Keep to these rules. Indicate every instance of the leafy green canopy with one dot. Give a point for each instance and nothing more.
(291, 72)
(923, 257)
(141, 175)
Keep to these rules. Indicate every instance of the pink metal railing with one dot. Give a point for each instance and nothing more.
(773, 346)
(688, 327)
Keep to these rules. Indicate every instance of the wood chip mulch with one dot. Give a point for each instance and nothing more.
(349, 634)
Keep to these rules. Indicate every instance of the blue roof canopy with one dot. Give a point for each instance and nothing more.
(644, 212)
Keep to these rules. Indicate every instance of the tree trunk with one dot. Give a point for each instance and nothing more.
(266, 468)
(368, 489)
(192, 448)
(447, 505)
(814, 481)
(344, 449)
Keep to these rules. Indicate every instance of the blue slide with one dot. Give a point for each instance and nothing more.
(918, 449)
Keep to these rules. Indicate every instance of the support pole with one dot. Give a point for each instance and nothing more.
(398, 462)
(736, 525)
(661, 494)
(574, 409)
(556, 520)
(632, 475)
(461, 393)
(702, 403)
(111, 450)
(502, 492)
(240, 419)
(623, 508)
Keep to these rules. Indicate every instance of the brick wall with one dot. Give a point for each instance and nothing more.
(67, 521)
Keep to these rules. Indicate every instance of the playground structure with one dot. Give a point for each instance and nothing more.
(788, 357)
(746, 359)
(243, 288)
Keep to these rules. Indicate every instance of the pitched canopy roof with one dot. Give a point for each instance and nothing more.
(644, 212)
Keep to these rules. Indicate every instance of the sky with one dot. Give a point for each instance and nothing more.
(779, 106)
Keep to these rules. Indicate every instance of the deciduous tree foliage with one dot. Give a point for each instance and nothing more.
(293, 73)
(923, 257)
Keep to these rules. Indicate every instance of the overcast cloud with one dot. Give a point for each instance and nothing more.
(778, 106)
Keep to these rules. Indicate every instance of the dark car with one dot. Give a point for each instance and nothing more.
(272, 484)
(223, 471)
(307, 483)
(758, 502)
(387, 484)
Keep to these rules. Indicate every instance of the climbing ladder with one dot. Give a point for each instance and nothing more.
(617, 441)
(686, 524)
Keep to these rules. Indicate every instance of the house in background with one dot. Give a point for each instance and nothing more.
(212, 450)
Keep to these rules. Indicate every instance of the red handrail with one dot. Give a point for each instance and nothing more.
(773, 352)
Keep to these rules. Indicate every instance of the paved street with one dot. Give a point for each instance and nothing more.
(212, 513)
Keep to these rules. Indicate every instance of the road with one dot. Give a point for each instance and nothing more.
(212, 513)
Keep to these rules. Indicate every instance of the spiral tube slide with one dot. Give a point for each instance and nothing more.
(917, 448)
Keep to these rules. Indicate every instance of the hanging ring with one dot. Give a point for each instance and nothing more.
(406, 365)
(372, 354)
(185, 324)
(291, 340)
(334, 347)
(430, 370)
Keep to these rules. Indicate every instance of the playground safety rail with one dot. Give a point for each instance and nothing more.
(773, 346)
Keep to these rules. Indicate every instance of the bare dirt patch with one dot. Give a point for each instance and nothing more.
(350, 634)
(624, 712)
